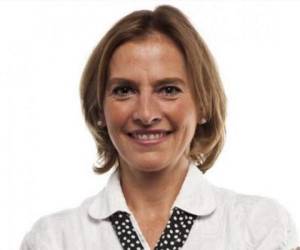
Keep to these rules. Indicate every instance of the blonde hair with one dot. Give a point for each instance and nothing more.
(206, 86)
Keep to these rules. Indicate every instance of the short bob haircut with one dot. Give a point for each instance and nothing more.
(205, 83)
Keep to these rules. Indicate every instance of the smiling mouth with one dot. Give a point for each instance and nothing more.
(149, 136)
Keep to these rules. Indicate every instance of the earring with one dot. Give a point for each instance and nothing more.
(100, 123)
(202, 121)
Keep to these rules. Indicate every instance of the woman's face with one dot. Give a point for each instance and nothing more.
(148, 106)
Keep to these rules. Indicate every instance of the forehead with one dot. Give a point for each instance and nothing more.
(155, 55)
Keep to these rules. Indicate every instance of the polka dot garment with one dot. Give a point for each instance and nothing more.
(173, 237)
(176, 231)
(125, 231)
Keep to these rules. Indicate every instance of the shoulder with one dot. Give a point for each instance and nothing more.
(50, 230)
(262, 222)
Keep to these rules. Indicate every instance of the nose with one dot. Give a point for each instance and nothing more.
(147, 111)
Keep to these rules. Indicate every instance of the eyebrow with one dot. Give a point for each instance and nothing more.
(161, 82)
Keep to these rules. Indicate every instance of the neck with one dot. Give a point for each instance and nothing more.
(152, 193)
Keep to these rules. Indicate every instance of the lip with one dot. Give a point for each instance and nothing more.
(152, 141)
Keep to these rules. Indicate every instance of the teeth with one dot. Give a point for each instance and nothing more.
(148, 136)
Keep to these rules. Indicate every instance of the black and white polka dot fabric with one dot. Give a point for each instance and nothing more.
(176, 231)
(125, 231)
(174, 236)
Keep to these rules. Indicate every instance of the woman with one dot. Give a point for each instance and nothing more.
(153, 100)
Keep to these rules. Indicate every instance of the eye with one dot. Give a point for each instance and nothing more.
(123, 91)
(170, 90)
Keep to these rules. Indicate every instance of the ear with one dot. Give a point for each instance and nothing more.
(101, 121)
(201, 116)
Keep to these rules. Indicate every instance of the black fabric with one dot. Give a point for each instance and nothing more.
(125, 231)
(173, 237)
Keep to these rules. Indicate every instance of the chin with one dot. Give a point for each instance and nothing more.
(149, 162)
(150, 169)
(151, 166)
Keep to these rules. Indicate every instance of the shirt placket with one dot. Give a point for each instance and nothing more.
(139, 233)
(173, 237)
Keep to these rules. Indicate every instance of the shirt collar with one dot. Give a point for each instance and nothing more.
(196, 196)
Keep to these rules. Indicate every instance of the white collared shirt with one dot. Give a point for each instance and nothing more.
(226, 220)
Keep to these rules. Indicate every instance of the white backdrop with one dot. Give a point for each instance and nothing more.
(46, 149)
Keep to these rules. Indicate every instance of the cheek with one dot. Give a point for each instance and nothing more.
(182, 113)
(115, 114)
